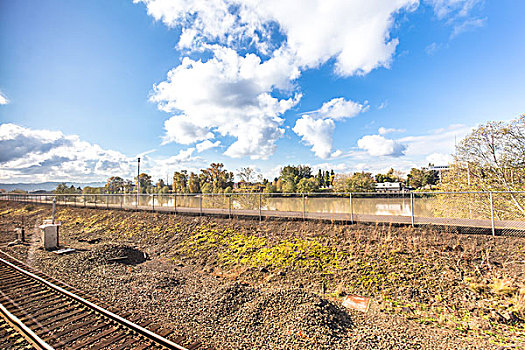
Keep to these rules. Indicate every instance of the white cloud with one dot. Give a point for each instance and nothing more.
(316, 133)
(378, 146)
(184, 155)
(339, 109)
(433, 48)
(3, 99)
(384, 131)
(234, 94)
(467, 26)
(44, 155)
(227, 95)
(355, 33)
(459, 14)
(439, 159)
(456, 8)
(440, 140)
(316, 128)
(207, 144)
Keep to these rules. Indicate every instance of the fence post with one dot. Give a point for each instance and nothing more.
(229, 206)
(121, 201)
(200, 203)
(107, 201)
(412, 208)
(492, 214)
(175, 202)
(351, 209)
(260, 207)
(153, 202)
(304, 209)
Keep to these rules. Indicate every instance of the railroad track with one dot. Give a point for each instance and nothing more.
(10, 337)
(52, 315)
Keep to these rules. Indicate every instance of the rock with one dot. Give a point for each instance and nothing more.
(356, 302)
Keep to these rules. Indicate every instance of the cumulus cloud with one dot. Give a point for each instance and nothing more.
(228, 95)
(3, 99)
(316, 133)
(316, 128)
(384, 131)
(206, 145)
(378, 146)
(231, 93)
(41, 155)
(313, 34)
(339, 108)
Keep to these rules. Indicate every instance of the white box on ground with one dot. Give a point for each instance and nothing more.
(50, 236)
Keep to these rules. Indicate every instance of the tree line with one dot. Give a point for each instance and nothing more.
(490, 158)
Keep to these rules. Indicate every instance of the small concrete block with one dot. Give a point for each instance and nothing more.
(64, 251)
(49, 236)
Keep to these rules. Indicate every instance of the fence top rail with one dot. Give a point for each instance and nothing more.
(278, 194)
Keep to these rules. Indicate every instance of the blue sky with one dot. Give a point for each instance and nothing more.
(361, 85)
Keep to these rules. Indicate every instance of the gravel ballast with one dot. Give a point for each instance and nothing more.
(143, 265)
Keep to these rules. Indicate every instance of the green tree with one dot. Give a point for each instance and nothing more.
(356, 182)
(180, 181)
(491, 158)
(65, 189)
(307, 185)
(418, 178)
(291, 175)
(270, 188)
(145, 183)
(218, 177)
(194, 185)
(115, 184)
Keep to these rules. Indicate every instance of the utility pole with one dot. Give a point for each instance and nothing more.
(138, 179)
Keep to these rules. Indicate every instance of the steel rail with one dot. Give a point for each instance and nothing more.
(24, 331)
(110, 315)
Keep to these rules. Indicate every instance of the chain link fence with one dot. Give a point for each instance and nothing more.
(497, 213)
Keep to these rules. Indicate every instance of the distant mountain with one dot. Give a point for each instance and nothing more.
(46, 186)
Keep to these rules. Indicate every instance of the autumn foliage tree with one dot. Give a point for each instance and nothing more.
(492, 158)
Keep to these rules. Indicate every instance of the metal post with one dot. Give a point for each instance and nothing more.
(260, 207)
(492, 215)
(121, 201)
(54, 209)
(107, 201)
(229, 206)
(175, 202)
(84, 200)
(412, 207)
(304, 209)
(153, 202)
(138, 180)
(200, 203)
(351, 209)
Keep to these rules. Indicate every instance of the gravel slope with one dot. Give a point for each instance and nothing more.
(238, 306)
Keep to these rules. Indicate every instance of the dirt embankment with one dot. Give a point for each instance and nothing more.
(238, 284)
